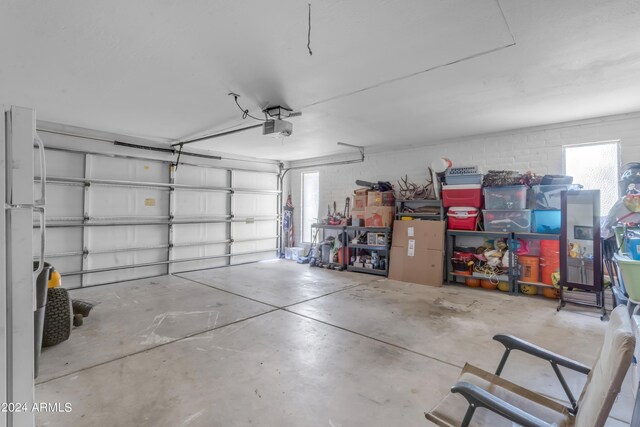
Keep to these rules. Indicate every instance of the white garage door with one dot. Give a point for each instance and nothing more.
(111, 218)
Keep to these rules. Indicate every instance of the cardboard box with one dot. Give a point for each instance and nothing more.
(357, 217)
(379, 216)
(425, 234)
(376, 239)
(416, 266)
(359, 202)
(381, 198)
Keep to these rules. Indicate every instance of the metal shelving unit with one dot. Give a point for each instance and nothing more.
(451, 243)
(513, 273)
(528, 236)
(356, 247)
(401, 205)
(340, 229)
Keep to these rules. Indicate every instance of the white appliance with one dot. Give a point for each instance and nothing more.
(17, 275)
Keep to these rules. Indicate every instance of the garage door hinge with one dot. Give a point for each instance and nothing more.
(85, 252)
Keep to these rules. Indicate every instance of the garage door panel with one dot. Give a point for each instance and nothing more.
(255, 245)
(199, 251)
(195, 175)
(191, 233)
(117, 168)
(132, 236)
(258, 229)
(67, 264)
(97, 261)
(243, 259)
(255, 180)
(123, 275)
(105, 260)
(199, 265)
(131, 202)
(63, 200)
(198, 203)
(67, 239)
(62, 164)
(249, 205)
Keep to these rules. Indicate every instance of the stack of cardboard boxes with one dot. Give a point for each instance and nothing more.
(380, 209)
(417, 252)
(359, 204)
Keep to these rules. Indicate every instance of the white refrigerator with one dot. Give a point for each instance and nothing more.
(17, 278)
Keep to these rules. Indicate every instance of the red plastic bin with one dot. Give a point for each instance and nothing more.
(462, 218)
(462, 195)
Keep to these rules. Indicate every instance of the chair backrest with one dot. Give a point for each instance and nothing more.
(605, 379)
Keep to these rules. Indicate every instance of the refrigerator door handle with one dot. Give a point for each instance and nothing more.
(43, 240)
(43, 173)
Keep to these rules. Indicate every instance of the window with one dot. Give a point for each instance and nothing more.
(595, 166)
(310, 201)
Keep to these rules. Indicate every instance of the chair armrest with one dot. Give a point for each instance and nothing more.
(482, 398)
(513, 343)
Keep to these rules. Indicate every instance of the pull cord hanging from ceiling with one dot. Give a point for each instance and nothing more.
(309, 32)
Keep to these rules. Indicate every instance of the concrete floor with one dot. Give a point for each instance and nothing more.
(279, 343)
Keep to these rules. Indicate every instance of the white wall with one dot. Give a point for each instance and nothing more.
(537, 149)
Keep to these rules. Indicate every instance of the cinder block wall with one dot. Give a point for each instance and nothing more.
(537, 149)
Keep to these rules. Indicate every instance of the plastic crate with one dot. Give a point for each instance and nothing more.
(546, 197)
(462, 195)
(293, 253)
(547, 222)
(475, 178)
(507, 220)
(513, 197)
(463, 170)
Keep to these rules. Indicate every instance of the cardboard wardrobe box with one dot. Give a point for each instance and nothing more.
(417, 254)
(423, 267)
(426, 234)
(379, 216)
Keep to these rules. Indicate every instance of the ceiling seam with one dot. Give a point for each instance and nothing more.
(506, 23)
(408, 76)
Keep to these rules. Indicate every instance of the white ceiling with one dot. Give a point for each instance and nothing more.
(378, 75)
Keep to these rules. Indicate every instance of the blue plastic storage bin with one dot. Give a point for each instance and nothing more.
(547, 222)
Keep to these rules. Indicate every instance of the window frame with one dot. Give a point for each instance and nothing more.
(617, 143)
(302, 208)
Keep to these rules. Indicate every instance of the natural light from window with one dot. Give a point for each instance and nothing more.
(595, 166)
(310, 200)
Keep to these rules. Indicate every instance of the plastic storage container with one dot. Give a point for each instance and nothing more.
(462, 195)
(462, 218)
(546, 197)
(630, 271)
(549, 260)
(512, 197)
(507, 220)
(547, 222)
(529, 268)
(472, 178)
